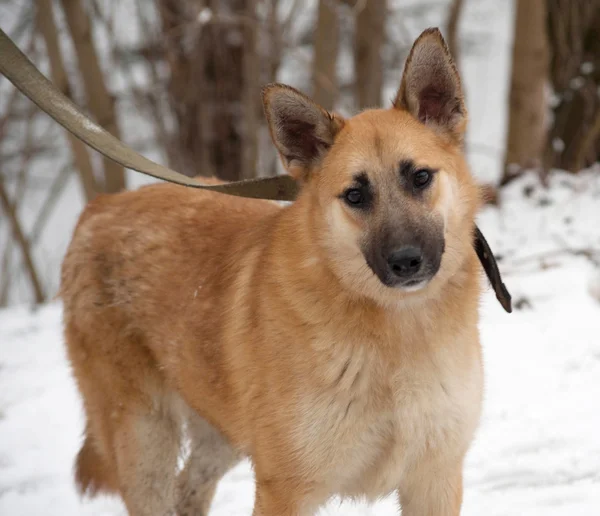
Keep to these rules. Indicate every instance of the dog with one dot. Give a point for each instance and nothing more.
(333, 341)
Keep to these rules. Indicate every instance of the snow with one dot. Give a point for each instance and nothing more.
(537, 451)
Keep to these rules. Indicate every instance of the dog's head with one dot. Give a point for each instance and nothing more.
(389, 189)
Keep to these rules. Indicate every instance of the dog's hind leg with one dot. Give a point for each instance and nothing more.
(147, 446)
(210, 457)
(133, 422)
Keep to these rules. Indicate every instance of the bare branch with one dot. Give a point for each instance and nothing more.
(22, 242)
(5, 275)
(98, 98)
(58, 73)
(591, 254)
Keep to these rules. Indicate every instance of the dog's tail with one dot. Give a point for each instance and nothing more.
(92, 474)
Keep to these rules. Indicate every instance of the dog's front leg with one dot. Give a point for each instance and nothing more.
(279, 498)
(432, 489)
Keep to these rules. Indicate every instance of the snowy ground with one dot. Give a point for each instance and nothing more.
(538, 448)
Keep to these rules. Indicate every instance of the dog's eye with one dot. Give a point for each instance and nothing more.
(421, 178)
(359, 195)
(354, 197)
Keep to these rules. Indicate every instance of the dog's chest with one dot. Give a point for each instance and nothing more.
(374, 420)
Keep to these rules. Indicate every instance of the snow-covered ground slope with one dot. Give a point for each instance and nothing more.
(537, 451)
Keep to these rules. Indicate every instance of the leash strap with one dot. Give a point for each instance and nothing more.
(486, 257)
(31, 82)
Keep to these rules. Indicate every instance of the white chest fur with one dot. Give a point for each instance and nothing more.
(376, 419)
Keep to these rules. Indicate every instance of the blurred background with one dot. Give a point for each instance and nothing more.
(180, 80)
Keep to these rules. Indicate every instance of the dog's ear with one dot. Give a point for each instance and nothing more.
(430, 89)
(301, 129)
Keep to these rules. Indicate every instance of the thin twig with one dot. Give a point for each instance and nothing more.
(590, 253)
(99, 99)
(59, 76)
(20, 239)
(5, 276)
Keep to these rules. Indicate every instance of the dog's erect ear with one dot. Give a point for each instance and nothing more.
(301, 129)
(430, 89)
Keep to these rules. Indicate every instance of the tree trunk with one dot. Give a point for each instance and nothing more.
(452, 28)
(527, 103)
(368, 43)
(214, 87)
(251, 93)
(275, 40)
(81, 157)
(574, 139)
(100, 102)
(326, 42)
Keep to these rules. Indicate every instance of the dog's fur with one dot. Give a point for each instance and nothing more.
(245, 329)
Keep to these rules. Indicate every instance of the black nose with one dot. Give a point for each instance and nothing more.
(406, 261)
